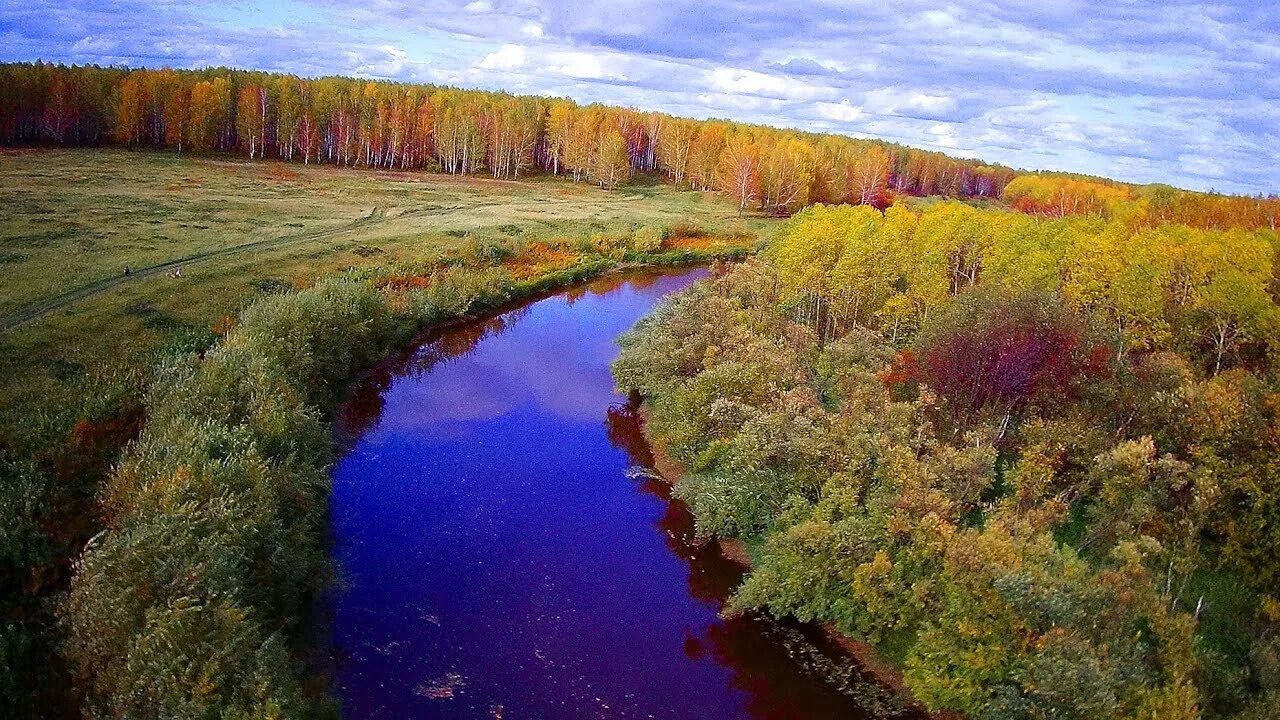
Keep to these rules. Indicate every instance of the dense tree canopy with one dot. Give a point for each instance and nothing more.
(1209, 293)
(1030, 457)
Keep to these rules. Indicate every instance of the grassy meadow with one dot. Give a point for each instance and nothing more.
(71, 221)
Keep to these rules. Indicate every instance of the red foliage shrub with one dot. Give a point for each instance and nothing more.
(999, 352)
(882, 199)
(904, 369)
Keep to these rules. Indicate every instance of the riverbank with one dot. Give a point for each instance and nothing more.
(217, 515)
(493, 540)
(867, 657)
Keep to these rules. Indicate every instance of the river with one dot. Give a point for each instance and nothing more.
(502, 554)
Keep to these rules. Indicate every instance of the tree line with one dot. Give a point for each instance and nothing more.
(390, 125)
(1058, 195)
(393, 125)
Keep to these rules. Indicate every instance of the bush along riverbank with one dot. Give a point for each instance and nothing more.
(889, 695)
(1025, 523)
(192, 601)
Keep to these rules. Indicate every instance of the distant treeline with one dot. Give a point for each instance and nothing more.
(388, 125)
(1139, 207)
(404, 126)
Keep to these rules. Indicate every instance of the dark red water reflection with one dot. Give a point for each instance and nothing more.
(501, 556)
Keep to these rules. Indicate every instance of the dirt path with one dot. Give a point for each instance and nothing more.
(40, 309)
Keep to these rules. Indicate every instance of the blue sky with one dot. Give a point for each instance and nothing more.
(1181, 92)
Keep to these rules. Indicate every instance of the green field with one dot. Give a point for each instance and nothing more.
(72, 221)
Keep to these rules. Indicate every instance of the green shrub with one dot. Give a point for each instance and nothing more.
(733, 504)
(218, 515)
(647, 239)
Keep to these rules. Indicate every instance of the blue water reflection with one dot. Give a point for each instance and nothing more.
(497, 560)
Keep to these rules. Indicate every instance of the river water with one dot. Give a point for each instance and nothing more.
(501, 556)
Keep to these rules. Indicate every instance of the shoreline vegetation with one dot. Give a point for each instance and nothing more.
(74, 379)
(190, 602)
(672, 471)
(1030, 461)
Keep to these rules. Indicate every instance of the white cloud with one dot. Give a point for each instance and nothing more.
(507, 57)
(938, 18)
(1205, 166)
(896, 101)
(843, 111)
(944, 135)
(93, 44)
(387, 61)
(736, 80)
(479, 6)
(534, 63)
(585, 65)
(748, 103)
(1065, 131)
(531, 29)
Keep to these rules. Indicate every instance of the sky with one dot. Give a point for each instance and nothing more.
(1185, 93)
